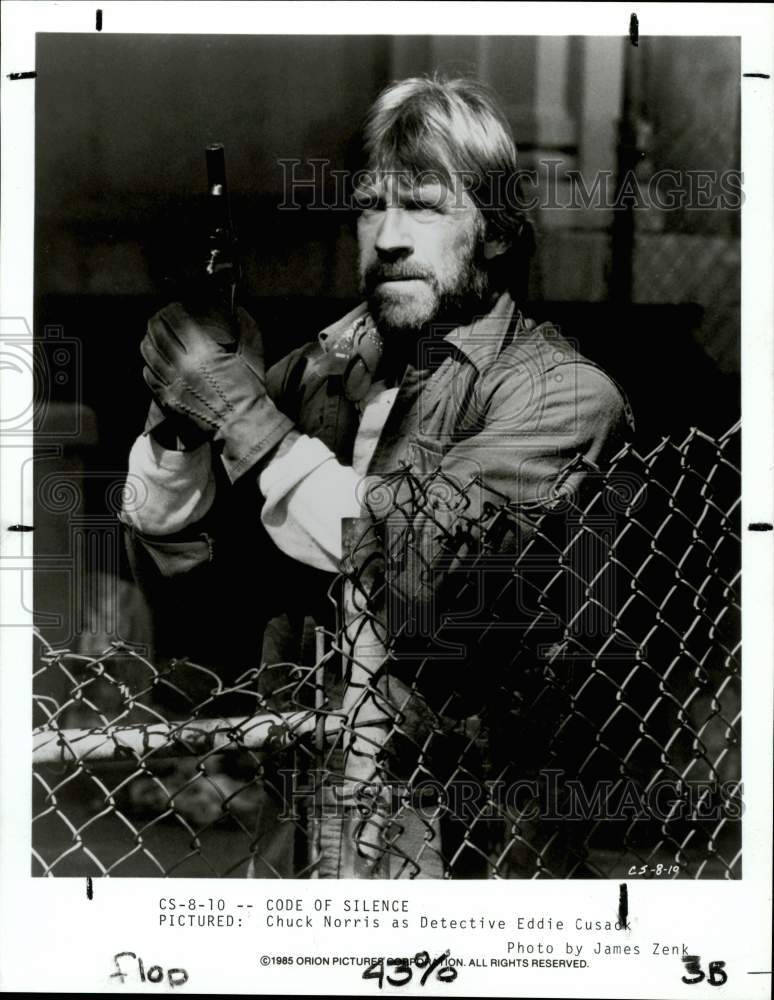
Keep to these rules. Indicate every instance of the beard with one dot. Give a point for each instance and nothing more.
(407, 300)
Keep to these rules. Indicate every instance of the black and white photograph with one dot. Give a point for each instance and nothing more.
(383, 520)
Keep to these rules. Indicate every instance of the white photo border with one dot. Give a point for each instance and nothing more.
(51, 937)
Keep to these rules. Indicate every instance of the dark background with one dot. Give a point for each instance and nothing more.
(121, 126)
(122, 122)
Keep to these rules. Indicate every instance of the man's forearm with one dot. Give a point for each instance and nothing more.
(308, 492)
(174, 489)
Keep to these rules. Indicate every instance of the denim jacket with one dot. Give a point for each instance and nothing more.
(501, 411)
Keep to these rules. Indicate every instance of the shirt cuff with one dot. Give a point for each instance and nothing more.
(292, 465)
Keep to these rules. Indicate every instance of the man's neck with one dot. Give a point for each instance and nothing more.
(416, 347)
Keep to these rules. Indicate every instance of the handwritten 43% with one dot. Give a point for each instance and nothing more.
(403, 973)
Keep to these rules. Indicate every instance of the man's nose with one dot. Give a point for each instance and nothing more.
(393, 239)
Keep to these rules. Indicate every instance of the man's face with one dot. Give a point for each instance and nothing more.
(420, 253)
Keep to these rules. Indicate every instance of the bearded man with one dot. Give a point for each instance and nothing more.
(435, 377)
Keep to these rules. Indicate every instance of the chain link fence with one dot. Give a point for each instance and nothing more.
(566, 703)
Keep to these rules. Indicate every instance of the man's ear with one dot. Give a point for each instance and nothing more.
(495, 247)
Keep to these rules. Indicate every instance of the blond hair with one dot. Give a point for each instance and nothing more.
(453, 128)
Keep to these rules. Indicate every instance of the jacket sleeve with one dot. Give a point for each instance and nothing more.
(200, 580)
(174, 573)
(158, 555)
(438, 520)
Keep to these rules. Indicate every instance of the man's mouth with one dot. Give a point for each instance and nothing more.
(392, 280)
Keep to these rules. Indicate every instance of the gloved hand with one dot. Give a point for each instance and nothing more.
(222, 393)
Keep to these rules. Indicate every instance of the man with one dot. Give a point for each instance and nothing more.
(435, 379)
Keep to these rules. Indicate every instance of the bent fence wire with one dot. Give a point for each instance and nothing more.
(572, 710)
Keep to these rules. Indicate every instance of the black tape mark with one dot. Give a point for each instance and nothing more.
(760, 526)
(634, 30)
(757, 76)
(623, 906)
(29, 75)
(99, 20)
(89, 888)
(20, 527)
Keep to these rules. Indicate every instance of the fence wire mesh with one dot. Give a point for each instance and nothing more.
(561, 702)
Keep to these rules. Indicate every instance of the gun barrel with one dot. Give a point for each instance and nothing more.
(216, 169)
(221, 262)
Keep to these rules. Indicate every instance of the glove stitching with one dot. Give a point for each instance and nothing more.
(178, 404)
(203, 399)
(213, 382)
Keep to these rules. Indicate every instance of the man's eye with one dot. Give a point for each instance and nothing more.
(427, 198)
(423, 205)
(366, 200)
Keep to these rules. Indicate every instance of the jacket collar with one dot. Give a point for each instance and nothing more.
(484, 339)
(329, 335)
(480, 341)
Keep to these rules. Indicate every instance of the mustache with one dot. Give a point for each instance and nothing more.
(394, 272)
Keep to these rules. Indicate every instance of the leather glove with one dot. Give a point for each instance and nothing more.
(193, 375)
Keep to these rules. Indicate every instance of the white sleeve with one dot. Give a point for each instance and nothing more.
(308, 491)
(167, 490)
